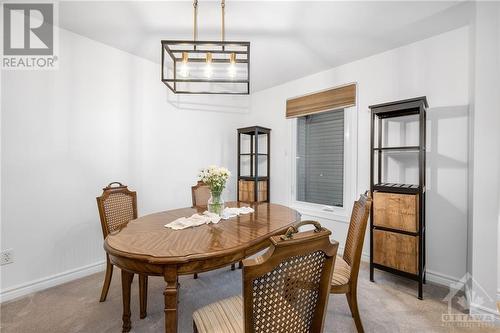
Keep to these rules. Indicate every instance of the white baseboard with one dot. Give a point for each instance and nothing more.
(441, 279)
(50, 281)
(482, 310)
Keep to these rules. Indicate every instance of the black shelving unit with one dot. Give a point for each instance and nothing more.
(415, 106)
(254, 176)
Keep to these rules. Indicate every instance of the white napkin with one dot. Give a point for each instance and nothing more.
(193, 221)
(207, 218)
(230, 212)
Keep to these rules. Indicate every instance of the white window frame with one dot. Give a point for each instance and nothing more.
(350, 172)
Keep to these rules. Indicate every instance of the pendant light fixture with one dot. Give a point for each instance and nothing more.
(206, 67)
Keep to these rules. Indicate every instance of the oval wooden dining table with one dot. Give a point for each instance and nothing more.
(146, 247)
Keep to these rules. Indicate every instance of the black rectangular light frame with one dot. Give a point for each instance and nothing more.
(219, 47)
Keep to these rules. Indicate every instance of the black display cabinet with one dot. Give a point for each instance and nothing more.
(397, 219)
(253, 164)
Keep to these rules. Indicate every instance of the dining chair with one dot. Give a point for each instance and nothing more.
(346, 268)
(117, 206)
(284, 290)
(200, 194)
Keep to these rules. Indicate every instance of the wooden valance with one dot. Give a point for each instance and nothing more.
(336, 98)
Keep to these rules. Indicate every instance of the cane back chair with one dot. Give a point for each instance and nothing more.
(284, 290)
(346, 269)
(200, 194)
(118, 206)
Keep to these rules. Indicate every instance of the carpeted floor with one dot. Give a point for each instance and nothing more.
(389, 305)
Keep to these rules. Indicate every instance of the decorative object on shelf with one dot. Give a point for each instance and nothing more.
(215, 177)
(206, 67)
(254, 145)
(397, 219)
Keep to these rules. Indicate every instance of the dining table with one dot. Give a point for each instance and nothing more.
(146, 247)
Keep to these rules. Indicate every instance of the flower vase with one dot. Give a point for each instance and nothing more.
(216, 203)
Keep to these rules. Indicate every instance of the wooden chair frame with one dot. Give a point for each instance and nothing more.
(114, 188)
(352, 255)
(193, 192)
(106, 192)
(286, 246)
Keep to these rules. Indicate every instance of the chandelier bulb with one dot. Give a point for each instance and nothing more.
(208, 66)
(184, 69)
(232, 65)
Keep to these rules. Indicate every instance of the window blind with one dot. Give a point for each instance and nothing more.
(320, 158)
(336, 98)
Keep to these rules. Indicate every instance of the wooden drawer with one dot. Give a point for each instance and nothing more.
(396, 211)
(395, 250)
(246, 190)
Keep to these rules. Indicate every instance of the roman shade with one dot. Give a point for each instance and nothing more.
(336, 98)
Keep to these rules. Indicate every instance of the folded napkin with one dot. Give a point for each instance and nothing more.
(207, 218)
(230, 212)
(193, 221)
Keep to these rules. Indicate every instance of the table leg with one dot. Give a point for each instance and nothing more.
(171, 299)
(127, 278)
(143, 295)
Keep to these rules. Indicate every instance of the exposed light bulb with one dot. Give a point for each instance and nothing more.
(232, 65)
(208, 71)
(208, 66)
(184, 69)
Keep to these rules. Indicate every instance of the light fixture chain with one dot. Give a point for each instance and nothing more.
(195, 20)
(223, 64)
(223, 6)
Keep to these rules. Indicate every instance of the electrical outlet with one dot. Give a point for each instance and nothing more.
(7, 257)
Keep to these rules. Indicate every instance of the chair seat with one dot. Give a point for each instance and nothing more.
(225, 316)
(341, 272)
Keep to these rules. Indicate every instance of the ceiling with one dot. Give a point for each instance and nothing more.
(289, 39)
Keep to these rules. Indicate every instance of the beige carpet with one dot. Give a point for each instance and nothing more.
(389, 305)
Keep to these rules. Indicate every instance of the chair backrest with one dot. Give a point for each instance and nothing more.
(286, 289)
(117, 206)
(356, 233)
(200, 193)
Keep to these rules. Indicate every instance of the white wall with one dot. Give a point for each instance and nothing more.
(486, 177)
(63, 137)
(498, 224)
(174, 136)
(437, 67)
(102, 116)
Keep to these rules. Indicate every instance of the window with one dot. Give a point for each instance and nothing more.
(320, 158)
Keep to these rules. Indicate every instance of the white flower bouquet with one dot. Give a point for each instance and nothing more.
(215, 177)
